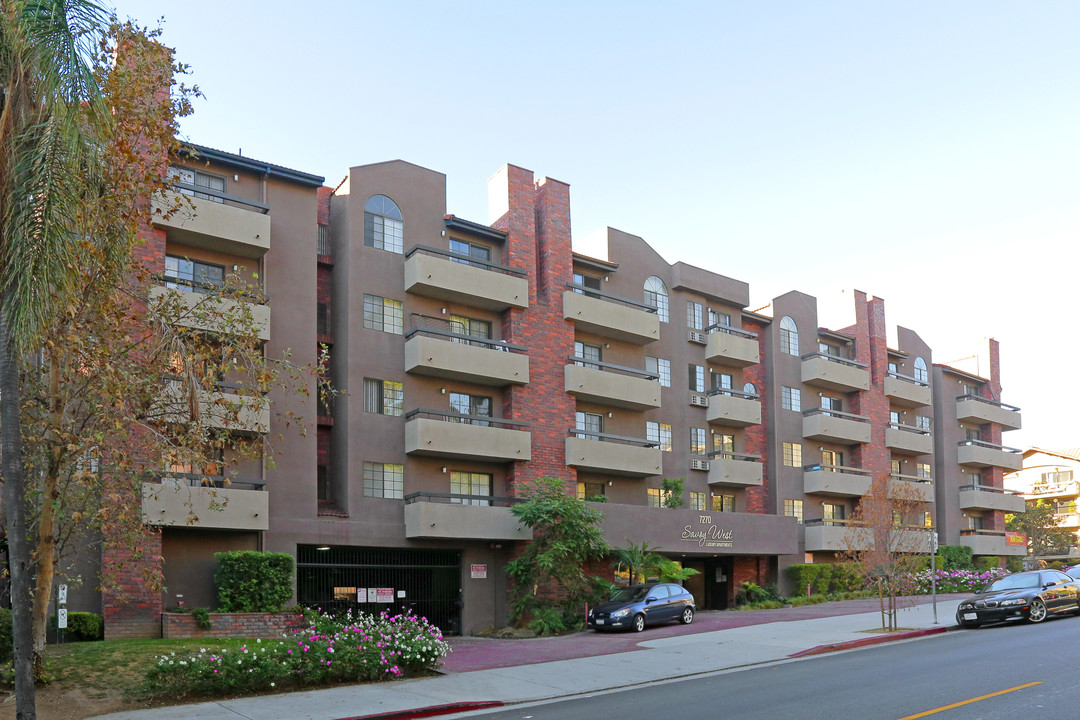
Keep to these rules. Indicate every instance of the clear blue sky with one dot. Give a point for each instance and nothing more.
(924, 152)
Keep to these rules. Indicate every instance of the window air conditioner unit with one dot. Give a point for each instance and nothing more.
(696, 464)
(695, 336)
(699, 400)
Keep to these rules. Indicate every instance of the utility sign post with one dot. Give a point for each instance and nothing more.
(61, 612)
(933, 571)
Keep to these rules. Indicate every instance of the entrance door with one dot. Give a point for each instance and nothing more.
(718, 582)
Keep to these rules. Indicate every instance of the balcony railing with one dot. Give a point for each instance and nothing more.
(728, 330)
(987, 497)
(611, 438)
(839, 480)
(985, 454)
(731, 346)
(738, 469)
(915, 488)
(975, 408)
(612, 367)
(907, 391)
(601, 295)
(461, 499)
(834, 372)
(461, 516)
(471, 340)
(613, 454)
(610, 384)
(455, 417)
(451, 434)
(460, 278)
(909, 438)
(835, 426)
(464, 259)
(216, 481)
(608, 315)
(205, 193)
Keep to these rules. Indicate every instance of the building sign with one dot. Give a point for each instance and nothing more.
(479, 571)
(384, 595)
(1015, 538)
(707, 535)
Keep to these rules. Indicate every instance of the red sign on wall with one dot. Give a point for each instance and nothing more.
(1015, 538)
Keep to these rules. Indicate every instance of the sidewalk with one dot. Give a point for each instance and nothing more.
(515, 671)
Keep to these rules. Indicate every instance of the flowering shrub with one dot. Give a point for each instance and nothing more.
(957, 581)
(331, 649)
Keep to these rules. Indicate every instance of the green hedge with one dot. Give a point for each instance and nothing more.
(987, 562)
(824, 578)
(955, 557)
(249, 581)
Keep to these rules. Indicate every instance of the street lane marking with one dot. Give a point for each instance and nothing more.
(968, 702)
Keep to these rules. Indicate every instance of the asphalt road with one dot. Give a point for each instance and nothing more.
(1010, 671)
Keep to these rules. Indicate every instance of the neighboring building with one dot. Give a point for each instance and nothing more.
(474, 358)
(1052, 477)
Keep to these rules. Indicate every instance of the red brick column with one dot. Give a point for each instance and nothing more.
(871, 349)
(755, 440)
(991, 433)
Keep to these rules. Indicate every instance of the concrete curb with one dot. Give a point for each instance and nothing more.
(430, 711)
(820, 649)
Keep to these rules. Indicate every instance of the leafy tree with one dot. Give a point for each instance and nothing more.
(51, 117)
(566, 536)
(885, 539)
(1043, 534)
(672, 492)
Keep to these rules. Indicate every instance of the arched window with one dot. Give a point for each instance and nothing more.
(656, 296)
(789, 336)
(749, 389)
(382, 224)
(920, 371)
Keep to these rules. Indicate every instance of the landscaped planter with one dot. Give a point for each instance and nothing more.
(228, 625)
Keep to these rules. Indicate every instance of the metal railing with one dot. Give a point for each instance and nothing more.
(988, 488)
(612, 367)
(465, 260)
(323, 248)
(601, 295)
(835, 413)
(612, 438)
(835, 468)
(922, 480)
(454, 417)
(729, 455)
(909, 428)
(729, 330)
(908, 379)
(205, 193)
(988, 401)
(732, 393)
(836, 359)
(991, 446)
(461, 499)
(499, 345)
(215, 481)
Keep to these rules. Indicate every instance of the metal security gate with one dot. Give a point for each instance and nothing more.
(333, 579)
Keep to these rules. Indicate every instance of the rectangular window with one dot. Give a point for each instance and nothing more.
(384, 397)
(831, 403)
(927, 519)
(894, 418)
(697, 500)
(829, 511)
(661, 367)
(694, 316)
(791, 398)
(657, 497)
(383, 233)
(720, 381)
(923, 470)
(723, 503)
(793, 508)
(828, 349)
(466, 404)
(587, 281)
(470, 483)
(696, 374)
(719, 318)
(723, 446)
(473, 250)
(833, 458)
(590, 353)
(385, 480)
(461, 325)
(697, 441)
(589, 491)
(922, 422)
(198, 179)
(659, 433)
(192, 276)
(895, 465)
(893, 368)
(590, 423)
(793, 454)
(383, 314)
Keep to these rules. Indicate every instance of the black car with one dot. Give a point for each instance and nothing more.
(639, 605)
(1032, 596)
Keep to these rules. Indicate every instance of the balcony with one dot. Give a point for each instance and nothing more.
(833, 426)
(205, 501)
(1068, 520)
(437, 433)
(238, 412)
(975, 409)
(836, 480)
(834, 373)
(458, 278)
(219, 222)
(452, 356)
(613, 454)
(983, 454)
(735, 469)
(611, 385)
(908, 439)
(731, 347)
(990, 542)
(836, 535)
(912, 488)
(210, 312)
(1060, 489)
(906, 391)
(733, 408)
(446, 516)
(985, 497)
(610, 316)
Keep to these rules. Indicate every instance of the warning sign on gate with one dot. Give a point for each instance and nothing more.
(384, 595)
(479, 571)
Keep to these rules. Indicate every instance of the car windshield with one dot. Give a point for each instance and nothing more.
(635, 593)
(1014, 582)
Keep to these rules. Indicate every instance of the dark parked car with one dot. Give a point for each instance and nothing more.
(1032, 596)
(639, 605)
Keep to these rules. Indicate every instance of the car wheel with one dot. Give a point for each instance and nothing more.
(639, 622)
(1037, 611)
(687, 616)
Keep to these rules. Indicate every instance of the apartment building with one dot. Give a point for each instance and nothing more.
(1052, 477)
(473, 358)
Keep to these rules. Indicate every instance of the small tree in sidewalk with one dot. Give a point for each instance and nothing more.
(885, 538)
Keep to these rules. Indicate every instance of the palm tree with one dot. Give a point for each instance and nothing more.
(51, 111)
